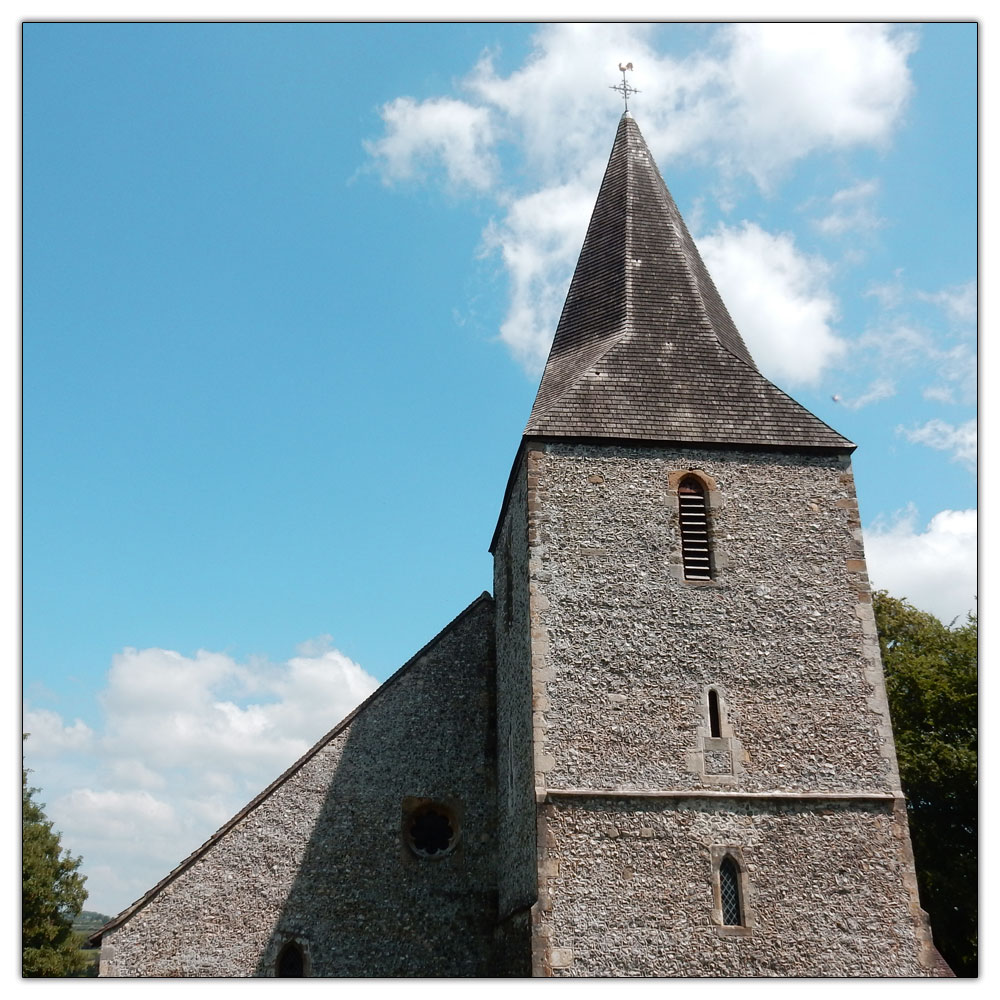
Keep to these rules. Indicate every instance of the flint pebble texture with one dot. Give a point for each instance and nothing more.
(632, 894)
(784, 634)
(515, 760)
(322, 858)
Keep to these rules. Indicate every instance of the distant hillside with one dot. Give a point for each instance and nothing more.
(88, 921)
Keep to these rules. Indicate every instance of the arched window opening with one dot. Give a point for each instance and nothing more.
(713, 713)
(291, 962)
(729, 890)
(695, 553)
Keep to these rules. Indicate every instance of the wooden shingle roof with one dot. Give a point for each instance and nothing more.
(645, 348)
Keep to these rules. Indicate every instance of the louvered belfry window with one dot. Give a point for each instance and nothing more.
(694, 530)
(729, 890)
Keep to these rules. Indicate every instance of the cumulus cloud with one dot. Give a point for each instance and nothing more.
(114, 816)
(186, 741)
(791, 89)
(933, 568)
(50, 736)
(961, 441)
(779, 299)
(441, 131)
(751, 101)
(548, 104)
(176, 711)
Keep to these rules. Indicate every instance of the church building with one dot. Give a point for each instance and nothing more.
(661, 747)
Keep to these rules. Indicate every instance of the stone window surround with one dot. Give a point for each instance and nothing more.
(278, 946)
(734, 852)
(413, 804)
(713, 501)
(725, 742)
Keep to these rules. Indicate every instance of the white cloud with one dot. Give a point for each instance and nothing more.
(316, 646)
(186, 742)
(790, 89)
(879, 389)
(958, 302)
(51, 737)
(851, 212)
(175, 711)
(538, 241)
(779, 299)
(752, 100)
(939, 394)
(934, 569)
(896, 343)
(548, 104)
(115, 815)
(450, 132)
(889, 294)
(961, 441)
(132, 773)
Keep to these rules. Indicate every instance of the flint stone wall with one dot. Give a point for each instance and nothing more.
(321, 859)
(624, 653)
(785, 631)
(630, 890)
(515, 763)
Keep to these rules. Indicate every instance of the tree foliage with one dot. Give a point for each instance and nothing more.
(52, 894)
(932, 682)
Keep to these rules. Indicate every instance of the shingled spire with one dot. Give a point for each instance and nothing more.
(645, 349)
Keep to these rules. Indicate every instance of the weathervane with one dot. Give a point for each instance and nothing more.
(625, 88)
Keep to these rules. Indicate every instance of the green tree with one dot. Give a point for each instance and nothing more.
(932, 682)
(52, 894)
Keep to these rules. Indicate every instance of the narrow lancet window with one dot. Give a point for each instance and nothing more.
(729, 890)
(713, 713)
(694, 529)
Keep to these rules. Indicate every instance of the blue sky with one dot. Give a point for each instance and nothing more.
(287, 290)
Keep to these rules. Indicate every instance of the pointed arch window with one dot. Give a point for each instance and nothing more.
(695, 551)
(732, 909)
(291, 962)
(729, 892)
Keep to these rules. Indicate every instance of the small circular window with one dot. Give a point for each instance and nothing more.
(431, 830)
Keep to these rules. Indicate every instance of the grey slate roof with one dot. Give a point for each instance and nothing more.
(645, 348)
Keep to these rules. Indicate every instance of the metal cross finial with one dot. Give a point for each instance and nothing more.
(625, 88)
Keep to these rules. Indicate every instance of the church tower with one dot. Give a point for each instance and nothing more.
(696, 773)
